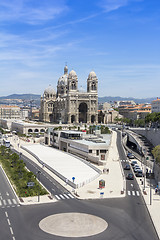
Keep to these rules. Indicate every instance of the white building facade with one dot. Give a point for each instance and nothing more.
(155, 105)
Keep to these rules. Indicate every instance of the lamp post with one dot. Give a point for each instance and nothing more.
(150, 190)
(39, 172)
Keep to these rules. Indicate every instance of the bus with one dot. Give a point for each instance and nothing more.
(6, 143)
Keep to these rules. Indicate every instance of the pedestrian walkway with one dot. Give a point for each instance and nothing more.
(8, 203)
(64, 196)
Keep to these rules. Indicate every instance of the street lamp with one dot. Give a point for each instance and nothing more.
(150, 188)
(39, 172)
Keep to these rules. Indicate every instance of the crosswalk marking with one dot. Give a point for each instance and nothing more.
(57, 197)
(137, 193)
(133, 193)
(14, 201)
(70, 195)
(62, 196)
(66, 196)
(9, 201)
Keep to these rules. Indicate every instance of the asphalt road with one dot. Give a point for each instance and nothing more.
(127, 218)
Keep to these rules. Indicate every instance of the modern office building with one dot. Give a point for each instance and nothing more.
(88, 147)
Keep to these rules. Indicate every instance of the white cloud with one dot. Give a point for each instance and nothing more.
(111, 5)
(31, 11)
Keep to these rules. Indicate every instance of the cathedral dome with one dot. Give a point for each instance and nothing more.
(72, 73)
(63, 80)
(50, 90)
(92, 74)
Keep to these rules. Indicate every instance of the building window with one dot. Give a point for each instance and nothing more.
(102, 151)
(97, 152)
(90, 151)
(102, 157)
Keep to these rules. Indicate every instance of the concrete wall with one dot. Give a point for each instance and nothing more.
(152, 134)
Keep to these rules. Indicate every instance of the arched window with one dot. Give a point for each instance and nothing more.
(93, 86)
(50, 107)
(73, 85)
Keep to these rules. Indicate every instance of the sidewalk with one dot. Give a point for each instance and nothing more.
(151, 199)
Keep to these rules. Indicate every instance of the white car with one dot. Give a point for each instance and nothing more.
(136, 169)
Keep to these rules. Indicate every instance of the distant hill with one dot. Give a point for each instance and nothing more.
(22, 96)
(136, 100)
(37, 97)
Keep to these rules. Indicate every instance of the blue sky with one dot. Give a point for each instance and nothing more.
(118, 39)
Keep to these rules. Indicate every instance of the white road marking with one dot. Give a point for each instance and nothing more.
(62, 196)
(6, 214)
(14, 201)
(137, 193)
(9, 201)
(11, 230)
(133, 193)
(57, 197)
(8, 222)
(129, 193)
(7, 193)
(4, 201)
(66, 196)
(70, 195)
(0, 203)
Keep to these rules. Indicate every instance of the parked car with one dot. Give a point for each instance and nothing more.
(127, 167)
(139, 173)
(128, 154)
(136, 169)
(130, 176)
(131, 156)
(133, 163)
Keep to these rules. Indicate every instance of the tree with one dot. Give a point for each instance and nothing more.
(156, 153)
(14, 158)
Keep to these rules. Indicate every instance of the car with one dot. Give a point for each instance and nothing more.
(130, 176)
(136, 169)
(127, 167)
(139, 173)
(131, 156)
(128, 154)
(135, 166)
(133, 163)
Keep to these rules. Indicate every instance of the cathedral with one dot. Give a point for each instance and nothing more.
(68, 104)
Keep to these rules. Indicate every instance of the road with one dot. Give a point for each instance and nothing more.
(127, 218)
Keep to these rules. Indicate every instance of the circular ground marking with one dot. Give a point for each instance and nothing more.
(73, 225)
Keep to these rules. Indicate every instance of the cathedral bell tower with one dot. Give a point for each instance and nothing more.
(92, 82)
(72, 81)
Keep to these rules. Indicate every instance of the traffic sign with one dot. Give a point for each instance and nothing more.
(30, 184)
(73, 178)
